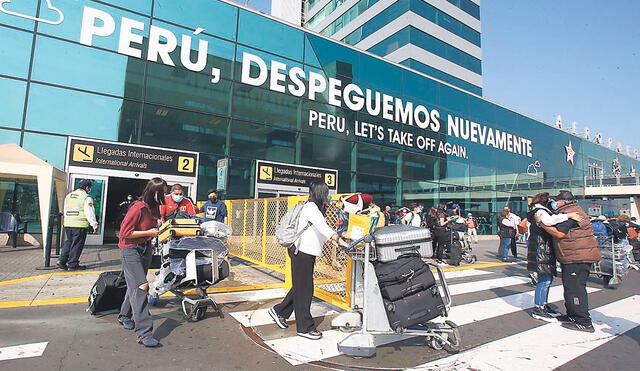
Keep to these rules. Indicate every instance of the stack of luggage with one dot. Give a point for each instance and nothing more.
(190, 258)
(407, 285)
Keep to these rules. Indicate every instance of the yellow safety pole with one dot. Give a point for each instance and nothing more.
(244, 228)
(265, 208)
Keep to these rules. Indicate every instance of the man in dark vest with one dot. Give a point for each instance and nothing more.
(576, 249)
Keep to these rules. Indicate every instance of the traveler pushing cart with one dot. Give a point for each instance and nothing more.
(394, 292)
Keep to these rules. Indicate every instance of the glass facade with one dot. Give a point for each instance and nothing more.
(135, 72)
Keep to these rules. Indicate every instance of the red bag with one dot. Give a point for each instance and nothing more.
(632, 233)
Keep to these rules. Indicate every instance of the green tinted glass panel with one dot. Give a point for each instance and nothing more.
(93, 69)
(216, 17)
(9, 136)
(140, 6)
(174, 128)
(73, 12)
(273, 36)
(12, 102)
(265, 106)
(83, 114)
(185, 89)
(28, 8)
(262, 141)
(51, 148)
(15, 52)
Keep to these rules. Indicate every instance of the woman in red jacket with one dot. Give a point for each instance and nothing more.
(138, 227)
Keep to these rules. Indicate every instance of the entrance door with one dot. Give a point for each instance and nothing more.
(98, 194)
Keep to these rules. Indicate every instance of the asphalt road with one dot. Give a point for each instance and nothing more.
(79, 341)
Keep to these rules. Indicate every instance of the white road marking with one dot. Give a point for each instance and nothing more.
(253, 295)
(462, 273)
(297, 350)
(22, 351)
(474, 286)
(549, 346)
(261, 317)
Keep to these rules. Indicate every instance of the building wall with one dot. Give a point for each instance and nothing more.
(438, 37)
(55, 83)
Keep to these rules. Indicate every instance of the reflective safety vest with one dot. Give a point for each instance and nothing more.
(74, 216)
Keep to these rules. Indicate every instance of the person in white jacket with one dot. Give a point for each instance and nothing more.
(309, 245)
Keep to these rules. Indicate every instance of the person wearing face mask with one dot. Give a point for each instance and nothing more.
(136, 231)
(176, 203)
(576, 249)
(214, 208)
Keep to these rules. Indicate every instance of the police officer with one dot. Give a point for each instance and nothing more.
(78, 216)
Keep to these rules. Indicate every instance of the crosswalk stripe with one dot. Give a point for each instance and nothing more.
(22, 351)
(463, 273)
(474, 286)
(296, 350)
(549, 346)
(261, 317)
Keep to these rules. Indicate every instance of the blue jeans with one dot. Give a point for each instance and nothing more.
(542, 289)
(506, 246)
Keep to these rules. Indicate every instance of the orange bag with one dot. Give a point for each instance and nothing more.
(522, 226)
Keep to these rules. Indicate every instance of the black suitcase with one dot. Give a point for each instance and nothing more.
(419, 281)
(398, 270)
(416, 309)
(107, 294)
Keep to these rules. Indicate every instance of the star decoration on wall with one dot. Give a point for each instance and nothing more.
(570, 152)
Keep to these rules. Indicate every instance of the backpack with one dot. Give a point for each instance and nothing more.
(599, 228)
(286, 231)
(619, 230)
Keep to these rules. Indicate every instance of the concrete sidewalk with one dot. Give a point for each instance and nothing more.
(21, 284)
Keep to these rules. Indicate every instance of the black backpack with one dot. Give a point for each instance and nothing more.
(107, 294)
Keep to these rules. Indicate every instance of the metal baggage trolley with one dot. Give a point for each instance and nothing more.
(616, 260)
(367, 318)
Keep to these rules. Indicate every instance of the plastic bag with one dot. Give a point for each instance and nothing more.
(216, 229)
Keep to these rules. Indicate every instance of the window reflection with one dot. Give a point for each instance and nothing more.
(12, 94)
(15, 51)
(70, 112)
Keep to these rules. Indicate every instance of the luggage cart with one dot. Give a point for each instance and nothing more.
(196, 276)
(368, 321)
(616, 260)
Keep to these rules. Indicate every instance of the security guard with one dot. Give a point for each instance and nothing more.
(78, 216)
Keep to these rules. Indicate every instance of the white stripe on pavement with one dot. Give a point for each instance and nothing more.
(261, 317)
(462, 273)
(549, 346)
(296, 350)
(22, 351)
(253, 295)
(474, 286)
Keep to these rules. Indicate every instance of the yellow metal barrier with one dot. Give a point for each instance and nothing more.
(254, 223)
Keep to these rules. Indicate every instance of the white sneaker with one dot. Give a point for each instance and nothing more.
(313, 335)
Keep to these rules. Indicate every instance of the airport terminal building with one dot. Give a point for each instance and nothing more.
(214, 95)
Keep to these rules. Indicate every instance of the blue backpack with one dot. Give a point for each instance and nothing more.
(600, 229)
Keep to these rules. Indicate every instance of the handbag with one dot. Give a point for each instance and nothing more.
(522, 226)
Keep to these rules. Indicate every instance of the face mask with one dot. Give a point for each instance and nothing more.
(177, 198)
(213, 199)
(554, 205)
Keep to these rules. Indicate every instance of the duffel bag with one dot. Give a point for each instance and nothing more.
(107, 294)
(419, 281)
(398, 270)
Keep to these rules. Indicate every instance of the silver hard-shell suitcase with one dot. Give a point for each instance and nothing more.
(395, 240)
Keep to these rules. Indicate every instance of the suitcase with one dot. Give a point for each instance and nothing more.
(395, 240)
(416, 309)
(398, 270)
(419, 281)
(107, 294)
(179, 228)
